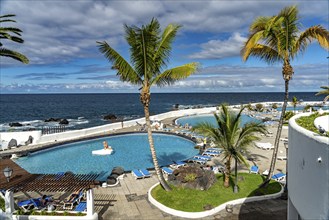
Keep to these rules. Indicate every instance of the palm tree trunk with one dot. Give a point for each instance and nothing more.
(278, 135)
(236, 177)
(162, 181)
(227, 173)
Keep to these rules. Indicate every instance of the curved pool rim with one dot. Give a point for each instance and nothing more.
(59, 144)
(202, 115)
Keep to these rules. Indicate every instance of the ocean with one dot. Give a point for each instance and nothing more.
(88, 110)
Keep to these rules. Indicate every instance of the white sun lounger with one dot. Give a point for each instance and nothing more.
(264, 146)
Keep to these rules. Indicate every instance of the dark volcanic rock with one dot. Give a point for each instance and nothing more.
(193, 177)
(15, 124)
(53, 120)
(110, 117)
(117, 170)
(12, 143)
(29, 140)
(64, 122)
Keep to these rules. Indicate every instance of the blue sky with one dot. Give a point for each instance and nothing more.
(60, 41)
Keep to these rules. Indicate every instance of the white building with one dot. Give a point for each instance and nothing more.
(308, 173)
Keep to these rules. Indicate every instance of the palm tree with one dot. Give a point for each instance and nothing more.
(325, 91)
(13, 34)
(149, 55)
(278, 39)
(294, 102)
(233, 138)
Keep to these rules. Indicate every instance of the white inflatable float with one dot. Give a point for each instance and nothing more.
(102, 151)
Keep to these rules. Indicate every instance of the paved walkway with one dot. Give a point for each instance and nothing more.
(129, 200)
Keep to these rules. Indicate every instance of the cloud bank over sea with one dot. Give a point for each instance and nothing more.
(60, 41)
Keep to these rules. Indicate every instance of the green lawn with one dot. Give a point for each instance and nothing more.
(194, 200)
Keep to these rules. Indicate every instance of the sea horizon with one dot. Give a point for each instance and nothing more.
(84, 110)
(199, 92)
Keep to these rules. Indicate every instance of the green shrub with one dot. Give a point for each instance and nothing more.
(288, 115)
(307, 122)
(190, 177)
(2, 204)
(259, 107)
(249, 107)
(274, 105)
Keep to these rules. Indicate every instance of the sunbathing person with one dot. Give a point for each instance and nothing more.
(44, 201)
(106, 146)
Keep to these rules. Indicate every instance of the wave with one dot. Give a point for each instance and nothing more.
(39, 124)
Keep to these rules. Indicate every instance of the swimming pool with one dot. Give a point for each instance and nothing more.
(300, 108)
(131, 151)
(209, 118)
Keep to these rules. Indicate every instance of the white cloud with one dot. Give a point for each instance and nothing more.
(216, 49)
(59, 31)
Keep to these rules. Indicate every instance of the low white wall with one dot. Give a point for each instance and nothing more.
(208, 212)
(99, 130)
(44, 217)
(21, 136)
(308, 171)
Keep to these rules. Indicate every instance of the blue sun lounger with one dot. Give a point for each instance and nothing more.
(213, 149)
(167, 170)
(202, 157)
(199, 161)
(210, 153)
(145, 172)
(81, 207)
(137, 174)
(254, 169)
(179, 163)
(280, 177)
(73, 199)
(34, 203)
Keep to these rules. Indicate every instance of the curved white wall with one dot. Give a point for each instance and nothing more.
(308, 179)
(99, 130)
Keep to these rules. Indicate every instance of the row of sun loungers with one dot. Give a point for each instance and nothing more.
(280, 177)
(75, 199)
(140, 173)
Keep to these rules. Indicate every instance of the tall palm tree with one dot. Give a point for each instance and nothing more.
(325, 91)
(294, 102)
(233, 138)
(13, 34)
(149, 55)
(278, 39)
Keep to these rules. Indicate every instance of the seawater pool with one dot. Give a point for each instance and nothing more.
(209, 118)
(131, 151)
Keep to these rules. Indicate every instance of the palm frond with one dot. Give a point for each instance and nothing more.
(170, 76)
(7, 16)
(125, 71)
(143, 43)
(162, 54)
(10, 29)
(252, 41)
(263, 52)
(313, 33)
(242, 159)
(14, 55)
(325, 91)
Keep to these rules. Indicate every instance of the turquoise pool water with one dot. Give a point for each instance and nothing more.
(209, 118)
(299, 108)
(131, 151)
